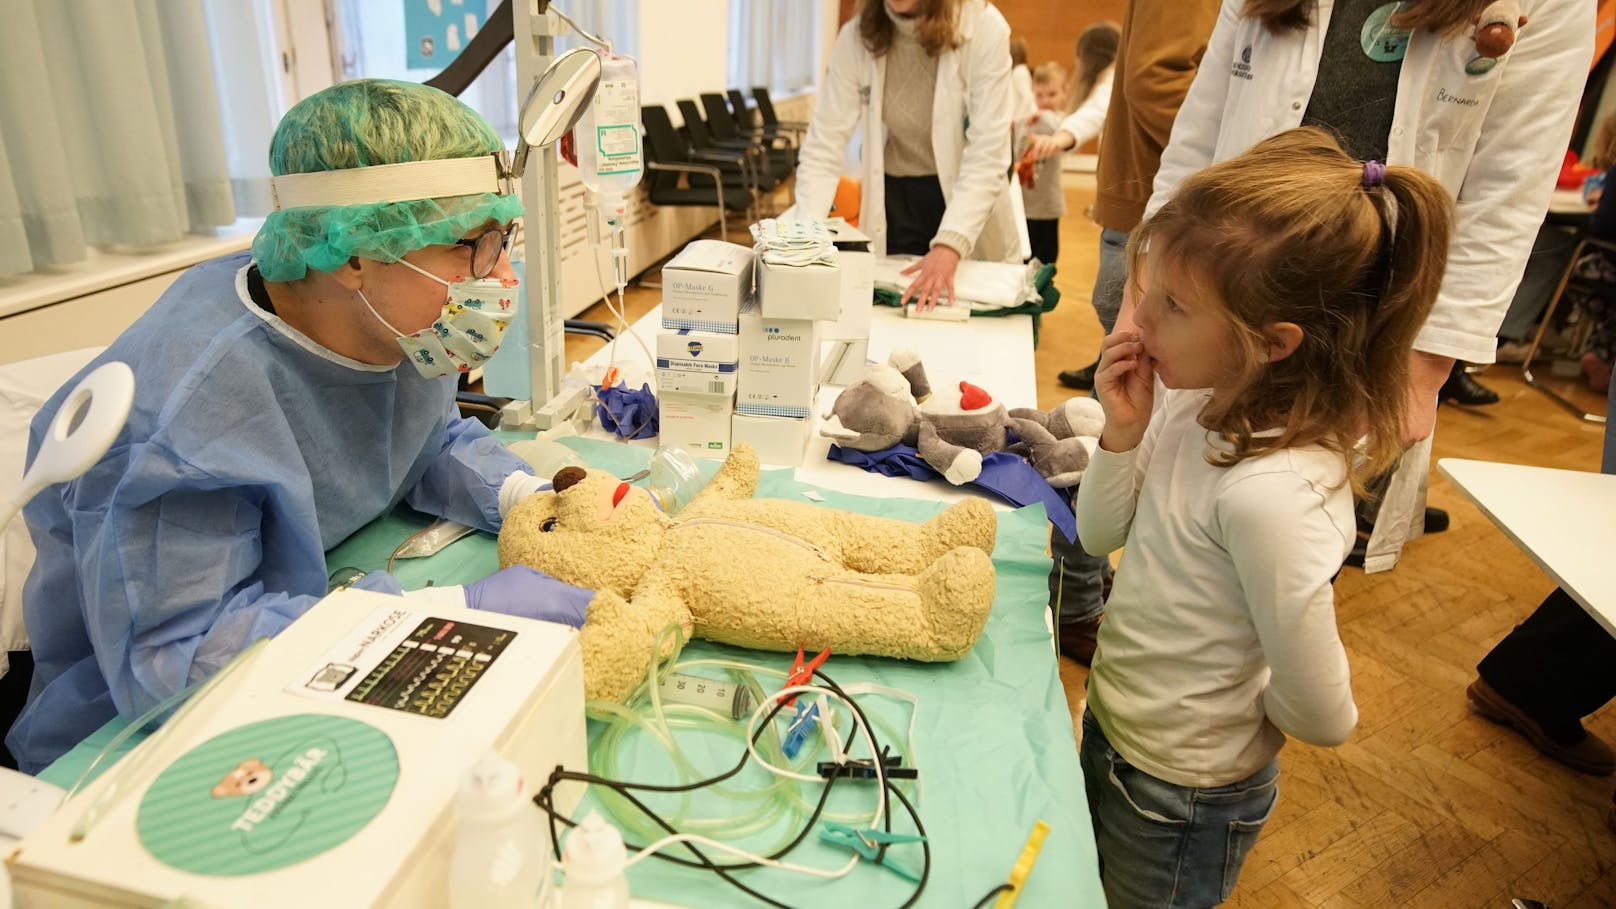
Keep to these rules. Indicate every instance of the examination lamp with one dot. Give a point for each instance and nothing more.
(556, 102)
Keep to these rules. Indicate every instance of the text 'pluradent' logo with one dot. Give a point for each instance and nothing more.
(773, 333)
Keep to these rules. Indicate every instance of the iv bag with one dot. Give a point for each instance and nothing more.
(607, 137)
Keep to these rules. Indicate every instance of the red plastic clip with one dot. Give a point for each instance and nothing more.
(801, 674)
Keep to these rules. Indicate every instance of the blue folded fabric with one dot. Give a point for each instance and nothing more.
(1005, 475)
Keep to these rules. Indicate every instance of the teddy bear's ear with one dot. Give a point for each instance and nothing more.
(567, 477)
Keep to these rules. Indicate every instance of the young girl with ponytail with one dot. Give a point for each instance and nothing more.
(1278, 297)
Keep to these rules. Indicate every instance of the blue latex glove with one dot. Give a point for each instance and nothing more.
(627, 412)
(520, 590)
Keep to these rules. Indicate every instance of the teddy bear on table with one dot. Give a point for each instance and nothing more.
(770, 574)
(952, 431)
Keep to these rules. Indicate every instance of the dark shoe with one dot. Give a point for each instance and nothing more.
(1436, 520)
(1077, 639)
(1461, 389)
(1586, 754)
(1079, 378)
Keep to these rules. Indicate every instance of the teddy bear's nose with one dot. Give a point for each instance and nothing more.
(566, 478)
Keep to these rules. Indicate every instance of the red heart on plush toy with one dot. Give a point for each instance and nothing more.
(973, 398)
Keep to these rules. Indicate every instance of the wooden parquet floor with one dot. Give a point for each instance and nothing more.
(1428, 805)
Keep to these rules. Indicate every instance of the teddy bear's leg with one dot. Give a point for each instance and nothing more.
(888, 546)
(935, 617)
(737, 477)
(956, 595)
(617, 638)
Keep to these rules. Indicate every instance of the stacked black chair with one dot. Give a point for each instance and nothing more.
(748, 121)
(777, 157)
(765, 108)
(718, 179)
(747, 153)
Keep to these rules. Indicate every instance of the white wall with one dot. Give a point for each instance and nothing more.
(683, 49)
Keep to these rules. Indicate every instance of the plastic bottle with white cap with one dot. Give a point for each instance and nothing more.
(595, 861)
(502, 850)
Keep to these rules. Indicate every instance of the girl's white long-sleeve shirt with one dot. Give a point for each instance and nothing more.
(1220, 637)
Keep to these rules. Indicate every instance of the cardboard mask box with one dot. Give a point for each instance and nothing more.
(704, 286)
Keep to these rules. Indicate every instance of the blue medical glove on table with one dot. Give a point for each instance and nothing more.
(523, 591)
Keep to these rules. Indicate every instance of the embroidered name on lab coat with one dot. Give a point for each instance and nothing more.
(1242, 67)
(1443, 96)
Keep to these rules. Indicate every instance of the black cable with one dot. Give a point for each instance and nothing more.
(545, 799)
(991, 894)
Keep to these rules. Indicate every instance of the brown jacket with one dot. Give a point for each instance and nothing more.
(1162, 43)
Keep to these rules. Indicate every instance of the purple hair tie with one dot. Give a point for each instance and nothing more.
(1374, 174)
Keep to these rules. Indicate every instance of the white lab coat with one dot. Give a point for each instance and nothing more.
(1086, 121)
(1495, 140)
(1023, 103)
(970, 136)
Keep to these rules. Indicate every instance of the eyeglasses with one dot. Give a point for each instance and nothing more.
(486, 248)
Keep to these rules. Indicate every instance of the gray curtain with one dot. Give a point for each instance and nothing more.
(113, 137)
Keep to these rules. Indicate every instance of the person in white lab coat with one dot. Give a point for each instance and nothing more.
(1022, 102)
(936, 139)
(1405, 84)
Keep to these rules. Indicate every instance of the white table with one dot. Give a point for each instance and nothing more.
(1560, 518)
(992, 352)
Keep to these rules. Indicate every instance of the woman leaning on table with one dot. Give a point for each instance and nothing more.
(929, 83)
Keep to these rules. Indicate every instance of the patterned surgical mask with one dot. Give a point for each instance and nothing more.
(467, 332)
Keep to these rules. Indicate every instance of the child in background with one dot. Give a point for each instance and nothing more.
(1279, 295)
(1041, 191)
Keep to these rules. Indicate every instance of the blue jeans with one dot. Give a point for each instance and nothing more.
(1108, 283)
(1164, 846)
(1076, 580)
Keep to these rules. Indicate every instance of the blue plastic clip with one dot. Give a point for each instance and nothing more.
(801, 725)
(871, 844)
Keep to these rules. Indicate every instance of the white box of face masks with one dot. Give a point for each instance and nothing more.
(704, 286)
(800, 291)
(779, 365)
(700, 424)
(847, 340)
(697, 362)
(779, 441)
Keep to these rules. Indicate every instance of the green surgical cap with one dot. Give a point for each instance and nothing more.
(362, 123)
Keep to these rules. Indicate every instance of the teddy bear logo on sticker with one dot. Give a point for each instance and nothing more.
(250, 777)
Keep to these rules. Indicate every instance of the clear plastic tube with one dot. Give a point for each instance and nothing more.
(779, 803)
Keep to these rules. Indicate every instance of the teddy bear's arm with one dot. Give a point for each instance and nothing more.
(617, 637)
(737, 477)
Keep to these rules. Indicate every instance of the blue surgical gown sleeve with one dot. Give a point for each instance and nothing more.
(170, 567)
(462, 482)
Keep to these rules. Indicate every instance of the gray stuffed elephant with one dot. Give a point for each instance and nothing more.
(952, 430)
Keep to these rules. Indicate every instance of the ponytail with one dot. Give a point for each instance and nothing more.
(1417, 219)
